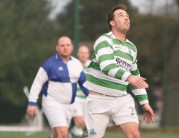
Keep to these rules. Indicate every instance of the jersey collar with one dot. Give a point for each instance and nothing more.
(113, 36)
(59, 58)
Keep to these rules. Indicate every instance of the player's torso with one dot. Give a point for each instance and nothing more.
(62, 80)
(64, 72)
(124, 53)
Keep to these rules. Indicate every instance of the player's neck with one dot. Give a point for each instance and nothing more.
(121, 36)
(83, 63)
(65, 58)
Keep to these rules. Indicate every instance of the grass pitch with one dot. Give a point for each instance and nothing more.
(109, 134)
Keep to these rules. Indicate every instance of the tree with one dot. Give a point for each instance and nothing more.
(27, 38)
(171, 93)
(173, 76)
(92, 18)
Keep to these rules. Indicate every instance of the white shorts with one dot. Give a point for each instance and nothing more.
(57, 114)
(77, 109)
(100, 110)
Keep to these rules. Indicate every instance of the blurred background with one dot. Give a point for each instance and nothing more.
(29, 30)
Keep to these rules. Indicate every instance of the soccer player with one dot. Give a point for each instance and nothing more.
(59, 75)
(83, 55)
(112, 69)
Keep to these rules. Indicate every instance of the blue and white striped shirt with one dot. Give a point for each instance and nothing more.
(59, 80)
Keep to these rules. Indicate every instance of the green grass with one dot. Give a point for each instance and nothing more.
(108, 135)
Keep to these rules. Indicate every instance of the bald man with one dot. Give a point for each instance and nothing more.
(59, 76)
(83, 55)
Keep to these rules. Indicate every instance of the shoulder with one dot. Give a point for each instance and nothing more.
(127, 40)
(76, 63)
(105, 38)
(75, 60)
(131, 45)
(49, 61)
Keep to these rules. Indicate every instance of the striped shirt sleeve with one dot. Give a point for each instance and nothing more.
(81, 81)
(140, 94)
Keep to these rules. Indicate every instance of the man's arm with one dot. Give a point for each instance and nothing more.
(137, 84)
(148, 113)
(141, 93)
(36, 87)
(81, 81)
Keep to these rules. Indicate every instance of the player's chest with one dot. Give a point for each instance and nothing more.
(122, 50)
(123, 56)
(65, 72)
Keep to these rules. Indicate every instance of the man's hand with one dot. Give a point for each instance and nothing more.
(31, 110)
(137, 81)
(148, 113)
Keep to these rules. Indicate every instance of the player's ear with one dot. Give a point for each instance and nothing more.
(112, 23)
(56, 48)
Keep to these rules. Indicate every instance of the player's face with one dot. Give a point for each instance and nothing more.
(64, 47)
(121, 21)
(83, 54)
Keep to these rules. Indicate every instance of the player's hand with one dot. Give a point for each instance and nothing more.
(31, 110)
(137, 81)
(148, 113)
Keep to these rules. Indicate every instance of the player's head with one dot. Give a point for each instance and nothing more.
(83, 53)
(64, 46)
(118, 18)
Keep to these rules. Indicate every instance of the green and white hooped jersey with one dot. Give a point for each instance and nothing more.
(80, 96)
(112, 62)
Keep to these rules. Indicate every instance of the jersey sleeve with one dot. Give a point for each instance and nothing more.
(140, 94)
(37, 84)
(105, 57)
(81, 81)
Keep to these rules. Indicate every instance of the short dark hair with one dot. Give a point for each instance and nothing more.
(110, 15)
